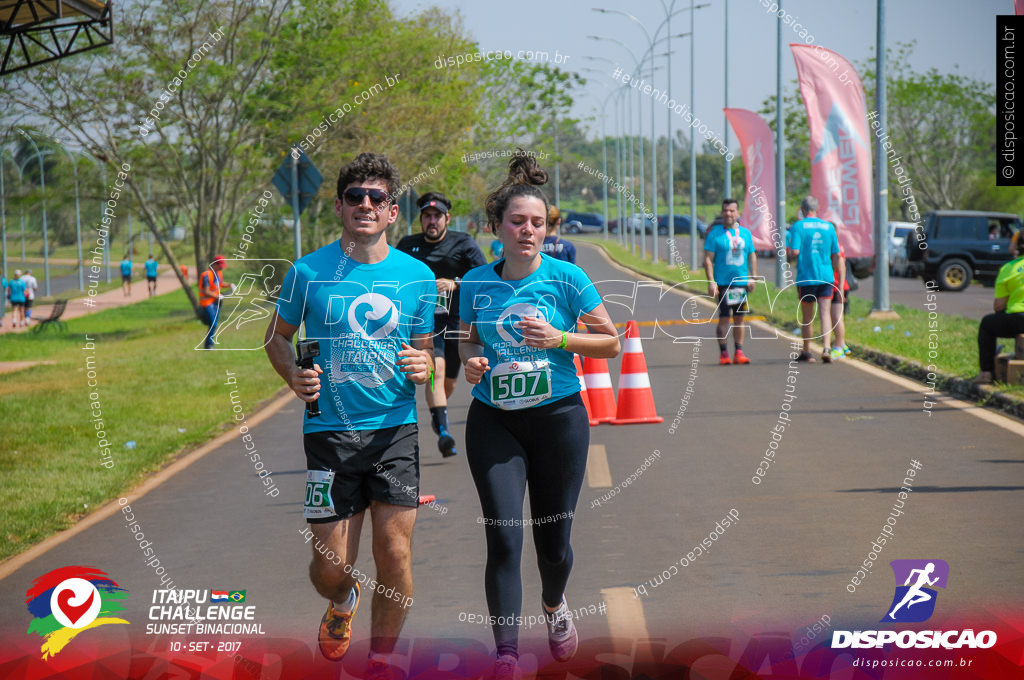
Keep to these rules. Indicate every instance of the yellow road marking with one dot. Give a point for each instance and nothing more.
(626, 621)
(599, 476)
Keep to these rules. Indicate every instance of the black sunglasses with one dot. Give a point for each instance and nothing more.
(354, 196)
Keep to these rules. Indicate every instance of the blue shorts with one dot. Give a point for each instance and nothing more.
(819, 291)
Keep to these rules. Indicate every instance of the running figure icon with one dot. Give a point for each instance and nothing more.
(916, 595)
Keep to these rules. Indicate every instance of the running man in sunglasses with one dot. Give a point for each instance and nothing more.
(449, 255)
(371, 307)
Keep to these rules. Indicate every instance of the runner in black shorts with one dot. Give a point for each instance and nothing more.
(527, 427)
(730, 263)
(361, 451)
(449, 255)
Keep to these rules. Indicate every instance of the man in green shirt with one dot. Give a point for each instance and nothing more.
(1007, 321)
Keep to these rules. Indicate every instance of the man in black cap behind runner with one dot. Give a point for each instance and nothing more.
(449, 255)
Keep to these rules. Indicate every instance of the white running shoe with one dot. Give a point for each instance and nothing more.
(562, 637)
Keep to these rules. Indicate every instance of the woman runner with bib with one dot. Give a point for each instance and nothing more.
(527, 427)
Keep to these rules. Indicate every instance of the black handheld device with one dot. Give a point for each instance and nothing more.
(307, 350)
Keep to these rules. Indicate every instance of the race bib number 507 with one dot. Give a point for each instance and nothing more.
(520, 384)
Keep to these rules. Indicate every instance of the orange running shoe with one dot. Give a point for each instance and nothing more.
(724, 359)
(740, 357)
(336, 630)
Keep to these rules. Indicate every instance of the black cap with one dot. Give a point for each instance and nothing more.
(434, 199)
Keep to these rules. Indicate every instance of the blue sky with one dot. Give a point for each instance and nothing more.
(950, 35)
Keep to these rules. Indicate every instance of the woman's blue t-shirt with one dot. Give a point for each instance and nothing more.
(558, 290)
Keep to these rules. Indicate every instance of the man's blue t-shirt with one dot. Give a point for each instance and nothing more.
(732, 249)
(126, 267)
(151, 266)
(558, 290)
(361, 314)
(17, 287)
(816, 242)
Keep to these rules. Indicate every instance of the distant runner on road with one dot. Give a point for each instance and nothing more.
(815, 246)
(527, 427)
(449, 255)
(730, 263)
(371, 308)
(126, 275)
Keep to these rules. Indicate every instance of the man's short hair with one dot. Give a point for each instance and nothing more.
(369, 166)
(727, 201)
(809, 205)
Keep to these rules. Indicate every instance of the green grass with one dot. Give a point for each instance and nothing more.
(150, 383)
(956, 354)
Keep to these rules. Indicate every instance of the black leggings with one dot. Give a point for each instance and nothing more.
(993, 326)
(543, 448)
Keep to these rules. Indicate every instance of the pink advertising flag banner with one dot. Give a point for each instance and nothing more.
(1018, 7)
(759, 160)
(840, 147)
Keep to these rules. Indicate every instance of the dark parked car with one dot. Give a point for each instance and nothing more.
(955, 246)
(578, 222)
(681, 225)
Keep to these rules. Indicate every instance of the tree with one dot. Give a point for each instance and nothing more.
(941, 124)
(208, 96)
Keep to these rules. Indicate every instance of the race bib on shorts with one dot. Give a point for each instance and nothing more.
(735, 296)
(318, 502)
(520, 384)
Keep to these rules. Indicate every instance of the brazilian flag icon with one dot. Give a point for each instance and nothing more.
(237, 596)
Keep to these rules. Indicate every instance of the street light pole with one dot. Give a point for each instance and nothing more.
(46, 240)
(780, 159)
(880, 303)
(693, 155)
(727, 189)
(3, 233)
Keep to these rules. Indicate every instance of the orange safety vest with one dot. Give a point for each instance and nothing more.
(212, 281)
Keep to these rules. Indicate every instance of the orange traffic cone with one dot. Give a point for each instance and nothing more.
(583, 388)
(636, 401)
(599, 390)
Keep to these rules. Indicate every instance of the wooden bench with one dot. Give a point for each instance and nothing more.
(56, 312)
(1010, 367)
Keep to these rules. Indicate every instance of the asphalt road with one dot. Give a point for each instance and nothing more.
(800, 536)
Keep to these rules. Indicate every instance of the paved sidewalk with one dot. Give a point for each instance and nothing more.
(166, 282)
